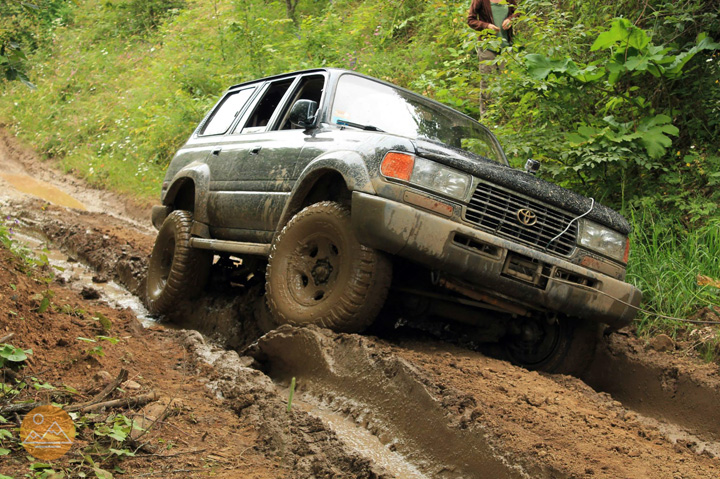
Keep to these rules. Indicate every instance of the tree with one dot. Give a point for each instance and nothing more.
(291, 6)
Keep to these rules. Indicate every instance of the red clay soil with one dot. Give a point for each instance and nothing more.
(202, 437)
(557, 420)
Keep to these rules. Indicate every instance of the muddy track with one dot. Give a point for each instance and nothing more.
(432, 409)
(409, 395)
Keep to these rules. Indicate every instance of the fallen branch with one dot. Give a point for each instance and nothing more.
(141, 400)
(176, 471)
(16, 408)
(168, 456)
(7, 338)
(121, 377)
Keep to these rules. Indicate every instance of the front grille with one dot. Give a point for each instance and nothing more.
(497, 210)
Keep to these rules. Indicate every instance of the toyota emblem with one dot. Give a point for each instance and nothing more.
(526, 217)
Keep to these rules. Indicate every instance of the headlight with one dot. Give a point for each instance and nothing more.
(603, 240)
(427, 174)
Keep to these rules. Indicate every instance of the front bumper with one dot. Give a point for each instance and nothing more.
(495, 265)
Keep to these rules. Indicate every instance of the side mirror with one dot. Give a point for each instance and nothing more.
(304, 113)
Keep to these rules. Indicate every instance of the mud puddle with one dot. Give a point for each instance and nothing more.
(39, 189)
(80, 277)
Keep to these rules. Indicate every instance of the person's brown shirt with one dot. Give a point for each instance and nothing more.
(480, 14)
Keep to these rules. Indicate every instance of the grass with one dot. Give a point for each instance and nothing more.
(112, 106)
(665, 261)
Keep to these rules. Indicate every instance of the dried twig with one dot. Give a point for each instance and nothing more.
(7, 338)
(124, 402)
(168, 456)
(177, 471)
(16, 408)
(121, 377)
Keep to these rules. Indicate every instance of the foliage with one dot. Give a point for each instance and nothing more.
(24, 27)
(619, 100)
(9, 353)
(666, 260)
(144, 16)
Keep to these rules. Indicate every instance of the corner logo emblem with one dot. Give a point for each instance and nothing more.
(47, 432)
(526, 217)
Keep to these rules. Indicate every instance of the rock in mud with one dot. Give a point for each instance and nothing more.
(662, 343)
(132, 385)
(89, 293)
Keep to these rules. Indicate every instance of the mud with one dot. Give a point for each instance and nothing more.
(367, 407)
(82, 279)
(354, 375)
(45, 191)
(668, 387)
(23, 167)
(455, 413)
(299, 440)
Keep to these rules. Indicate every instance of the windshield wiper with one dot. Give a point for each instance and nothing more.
(359, 126)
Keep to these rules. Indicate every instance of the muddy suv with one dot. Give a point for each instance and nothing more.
(339, 180)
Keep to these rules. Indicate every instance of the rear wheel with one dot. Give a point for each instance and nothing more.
(176, 271)
(553, 343)
(318, 272)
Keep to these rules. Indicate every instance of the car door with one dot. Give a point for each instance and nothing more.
(255, 169)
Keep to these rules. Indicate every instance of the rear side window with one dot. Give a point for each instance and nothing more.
(226, 112)
(267, 106)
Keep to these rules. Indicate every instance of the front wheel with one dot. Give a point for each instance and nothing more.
(553, 343)
(176, 271)
(318, 272)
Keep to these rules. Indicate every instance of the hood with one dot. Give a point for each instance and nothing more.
(521, 182)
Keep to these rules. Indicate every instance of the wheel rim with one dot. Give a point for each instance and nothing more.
(313, 269)
(161, 273)
(534, 340)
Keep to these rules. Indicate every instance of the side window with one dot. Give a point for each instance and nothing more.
(226, 112)
(310, 88)
(260, 118)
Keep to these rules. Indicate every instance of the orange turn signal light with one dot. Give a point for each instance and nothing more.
(627, 251)
(398, 165)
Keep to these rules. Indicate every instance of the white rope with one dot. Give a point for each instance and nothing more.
(592, 205)
(637, 308)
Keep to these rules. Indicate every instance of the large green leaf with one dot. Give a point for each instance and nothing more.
(540, 66)
(622, 32)
(654, 134)
(704, 43)
(618, 32)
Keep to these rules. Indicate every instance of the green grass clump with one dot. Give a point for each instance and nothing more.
(665, 261)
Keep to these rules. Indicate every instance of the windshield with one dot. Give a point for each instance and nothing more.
(361, 102)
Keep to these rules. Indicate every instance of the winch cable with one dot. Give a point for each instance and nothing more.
(592, 205)
(639, 309)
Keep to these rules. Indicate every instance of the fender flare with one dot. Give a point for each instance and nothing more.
(348, 164)
(199, 174)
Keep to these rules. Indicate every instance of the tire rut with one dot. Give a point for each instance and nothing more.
(447, 410)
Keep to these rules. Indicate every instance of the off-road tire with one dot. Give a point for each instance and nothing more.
(318, 273)
(571, 350)
(176, 271)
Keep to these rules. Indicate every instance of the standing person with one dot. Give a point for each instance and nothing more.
(495, 16)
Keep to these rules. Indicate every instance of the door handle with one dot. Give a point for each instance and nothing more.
(256, 150)
(216, 151)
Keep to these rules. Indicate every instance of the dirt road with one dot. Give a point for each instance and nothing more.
(403, 405)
